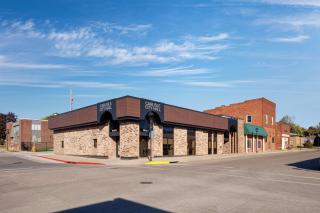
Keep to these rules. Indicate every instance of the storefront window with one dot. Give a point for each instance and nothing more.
(168, 141)
(249, 142)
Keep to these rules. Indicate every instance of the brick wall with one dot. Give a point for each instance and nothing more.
(220, 141)
(129, 139)
(80, 141)
(201, 142)
(241, 138)
(258, 109)
(180, 141)
(157, 146)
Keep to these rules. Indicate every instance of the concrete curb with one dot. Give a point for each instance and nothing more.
(70, 162)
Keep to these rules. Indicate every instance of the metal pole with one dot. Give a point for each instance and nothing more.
(151, 137)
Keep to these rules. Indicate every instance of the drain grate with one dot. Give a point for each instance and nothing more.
(145, 182)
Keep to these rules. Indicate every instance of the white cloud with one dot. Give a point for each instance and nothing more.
(17, 65)
(219, 37)
(297, 21)
(211, 84)
(312, 3)
(21, 28)
(176, 71)
(28, 81)
(295, 39)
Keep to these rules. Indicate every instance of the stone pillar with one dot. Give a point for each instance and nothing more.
(241, 140)
(201, 142)
(157, 146)
(129, 139)
(220, 142)
(57, 139)
(180, 141)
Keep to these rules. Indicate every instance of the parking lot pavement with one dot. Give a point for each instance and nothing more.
(286, 182)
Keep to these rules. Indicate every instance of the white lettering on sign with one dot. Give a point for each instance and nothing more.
(105, 106)
(152, 106)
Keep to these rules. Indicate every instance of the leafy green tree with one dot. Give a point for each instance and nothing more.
(294, 128)
(4, 119)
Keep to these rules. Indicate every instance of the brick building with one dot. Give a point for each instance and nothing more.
(130, 127)
(25, 133)
(283, 136)
(260, 115)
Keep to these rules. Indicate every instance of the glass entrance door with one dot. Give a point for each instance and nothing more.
(191, 138)
(143, 146)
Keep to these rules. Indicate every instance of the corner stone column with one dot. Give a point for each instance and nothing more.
(157, 141)
(180, 141)
(57, 139)
(201, 142)
(129, 139)
(220, 141)
(241, 138)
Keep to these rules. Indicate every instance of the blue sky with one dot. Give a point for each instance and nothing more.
(195, 54)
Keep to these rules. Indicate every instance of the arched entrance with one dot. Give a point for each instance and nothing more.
(106, 118)
(147, 134)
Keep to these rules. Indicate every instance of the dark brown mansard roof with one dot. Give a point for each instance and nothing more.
(129, 107)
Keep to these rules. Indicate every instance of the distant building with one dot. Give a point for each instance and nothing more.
(25, 133)
(259, 116)
(283, 136)
(296, 140)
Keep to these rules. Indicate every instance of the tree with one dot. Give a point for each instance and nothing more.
(287, 119)
(4, 118)
(294, 128)
(47, 116)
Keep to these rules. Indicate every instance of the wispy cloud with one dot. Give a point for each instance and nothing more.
(29, 81)
(295, 39)
(296, 21)
(93, 41)
(4, 63)
(175, 71)
(312, 3)
(213, 84)
(219, 37)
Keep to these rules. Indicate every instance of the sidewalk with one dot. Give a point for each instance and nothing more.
(70, 159)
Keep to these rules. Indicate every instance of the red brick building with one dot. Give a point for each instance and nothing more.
(25, 133)
(259, 112)
(283, 136)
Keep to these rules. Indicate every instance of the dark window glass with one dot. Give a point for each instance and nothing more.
(168, 141)
(95, 143)
(62, 144)
(249, 118)
(191, 139)
(272, 139)
(249, 143)
(226, 137)
(210, 143)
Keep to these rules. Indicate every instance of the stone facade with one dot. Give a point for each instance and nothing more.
(201, 142)
(240, 137)
(157, 142)
(180, 141)
(220, 141)
(80, 141)
(129, 139)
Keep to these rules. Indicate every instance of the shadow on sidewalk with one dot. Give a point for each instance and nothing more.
(311, 164)
(116, 205)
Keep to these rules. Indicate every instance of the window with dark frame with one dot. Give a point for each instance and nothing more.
(210, 143)
(95, 143)
(62, 144)
(191, 141)
(249, 118)
(168, 141)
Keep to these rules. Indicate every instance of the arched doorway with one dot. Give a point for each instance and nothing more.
(147, 133)
(106, 118)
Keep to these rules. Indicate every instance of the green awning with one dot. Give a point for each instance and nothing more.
(250, 129)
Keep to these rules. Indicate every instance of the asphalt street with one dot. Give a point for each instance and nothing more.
(280, 182)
